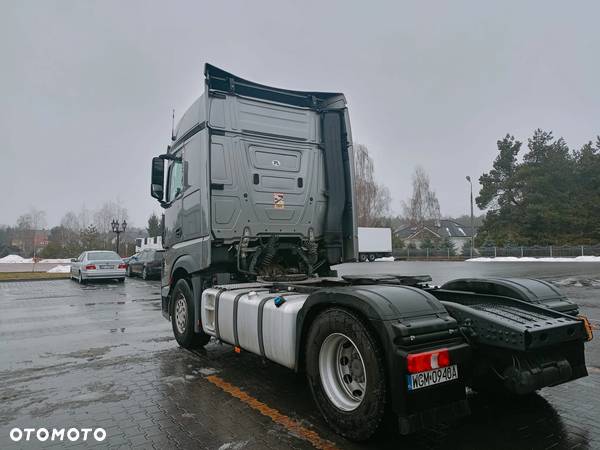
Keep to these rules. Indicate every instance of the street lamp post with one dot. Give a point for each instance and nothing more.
(118, 229)
(472, 226)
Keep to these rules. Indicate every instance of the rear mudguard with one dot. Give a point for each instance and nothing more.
(529, 290)
(403, 319)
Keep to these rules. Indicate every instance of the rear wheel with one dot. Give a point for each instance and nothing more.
(345, 372)
(80, 278)
(371, 257)
(182, 317)
(362, 257)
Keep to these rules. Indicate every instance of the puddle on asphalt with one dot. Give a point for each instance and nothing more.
(89, 354)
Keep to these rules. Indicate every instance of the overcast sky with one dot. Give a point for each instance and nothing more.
(87, 87)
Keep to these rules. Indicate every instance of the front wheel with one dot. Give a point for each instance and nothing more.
(345, 372)
(182, 317)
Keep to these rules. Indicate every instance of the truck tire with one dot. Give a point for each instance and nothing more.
(371, 257)
(182, 317)
(346, 374)
(362, 257)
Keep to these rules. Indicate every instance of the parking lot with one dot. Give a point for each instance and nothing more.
(101, 355)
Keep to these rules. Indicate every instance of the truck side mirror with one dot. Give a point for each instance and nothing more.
(158, 179)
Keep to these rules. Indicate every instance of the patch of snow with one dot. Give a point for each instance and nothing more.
(15, 259)
(530, 259)
(233, 445)
(385, 258)
(60, 269)
(56, 261)
(462, 231)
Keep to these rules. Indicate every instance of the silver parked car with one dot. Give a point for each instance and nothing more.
(98, 264)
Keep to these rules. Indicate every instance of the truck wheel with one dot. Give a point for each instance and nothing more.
(362, 257)
(371, 257)
(346, 374)
(182, 317)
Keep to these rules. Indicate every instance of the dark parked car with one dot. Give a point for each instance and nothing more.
(146, 264)
(129, 258)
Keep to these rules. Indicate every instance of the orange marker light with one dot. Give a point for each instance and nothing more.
(588, 327)
(237, 349)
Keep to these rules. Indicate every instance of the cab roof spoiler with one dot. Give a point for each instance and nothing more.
(219, 80)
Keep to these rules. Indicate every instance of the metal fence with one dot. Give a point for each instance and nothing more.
(536, 251)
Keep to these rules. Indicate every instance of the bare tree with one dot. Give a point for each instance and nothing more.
(70, 221)
(423, 206)
(28, 225)
(372, 199)
(83, 217)
(108, 211)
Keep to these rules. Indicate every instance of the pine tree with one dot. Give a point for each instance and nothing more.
(154, 226)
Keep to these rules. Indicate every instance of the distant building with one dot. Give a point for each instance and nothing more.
(457, 233)
(154, 243)
(27, 239)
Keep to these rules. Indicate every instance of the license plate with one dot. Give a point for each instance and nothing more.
(432, 377)
(107, 267)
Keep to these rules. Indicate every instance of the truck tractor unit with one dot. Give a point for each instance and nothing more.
(257, 191)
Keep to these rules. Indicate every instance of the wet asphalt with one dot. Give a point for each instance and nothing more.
(102, 355)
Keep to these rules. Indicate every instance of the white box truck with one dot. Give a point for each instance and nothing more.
(374, 243)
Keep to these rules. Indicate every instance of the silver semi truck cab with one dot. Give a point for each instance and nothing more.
(257, 191)
(258, 183)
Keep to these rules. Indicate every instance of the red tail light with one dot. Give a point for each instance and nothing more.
(90, 267)
(421, 362)
(123, 266)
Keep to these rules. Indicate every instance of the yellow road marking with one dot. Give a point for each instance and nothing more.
(290, 424)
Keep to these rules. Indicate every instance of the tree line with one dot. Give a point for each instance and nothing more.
(77, 232)
(548, 194)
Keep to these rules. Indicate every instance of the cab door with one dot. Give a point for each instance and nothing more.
(174, 195)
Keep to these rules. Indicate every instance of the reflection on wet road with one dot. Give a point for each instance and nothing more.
(102, 356)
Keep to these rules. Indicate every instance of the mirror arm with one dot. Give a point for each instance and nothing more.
(169, 157)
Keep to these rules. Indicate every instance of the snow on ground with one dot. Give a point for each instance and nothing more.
(60, 269)
(15, 259)
(385, 258)
(55, 261)
(529, 259)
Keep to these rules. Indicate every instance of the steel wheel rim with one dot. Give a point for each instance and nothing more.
(180, 313)
(342, 372)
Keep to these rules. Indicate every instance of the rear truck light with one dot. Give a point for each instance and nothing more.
(90, 267)
(122, 266)
(588, 327)
(422, 362)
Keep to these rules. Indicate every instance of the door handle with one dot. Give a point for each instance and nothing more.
(178, 232)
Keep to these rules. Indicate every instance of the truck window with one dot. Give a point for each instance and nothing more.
(175, 184)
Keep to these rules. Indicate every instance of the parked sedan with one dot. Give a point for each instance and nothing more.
(147, 264)
(96, 265)
(129, 258)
